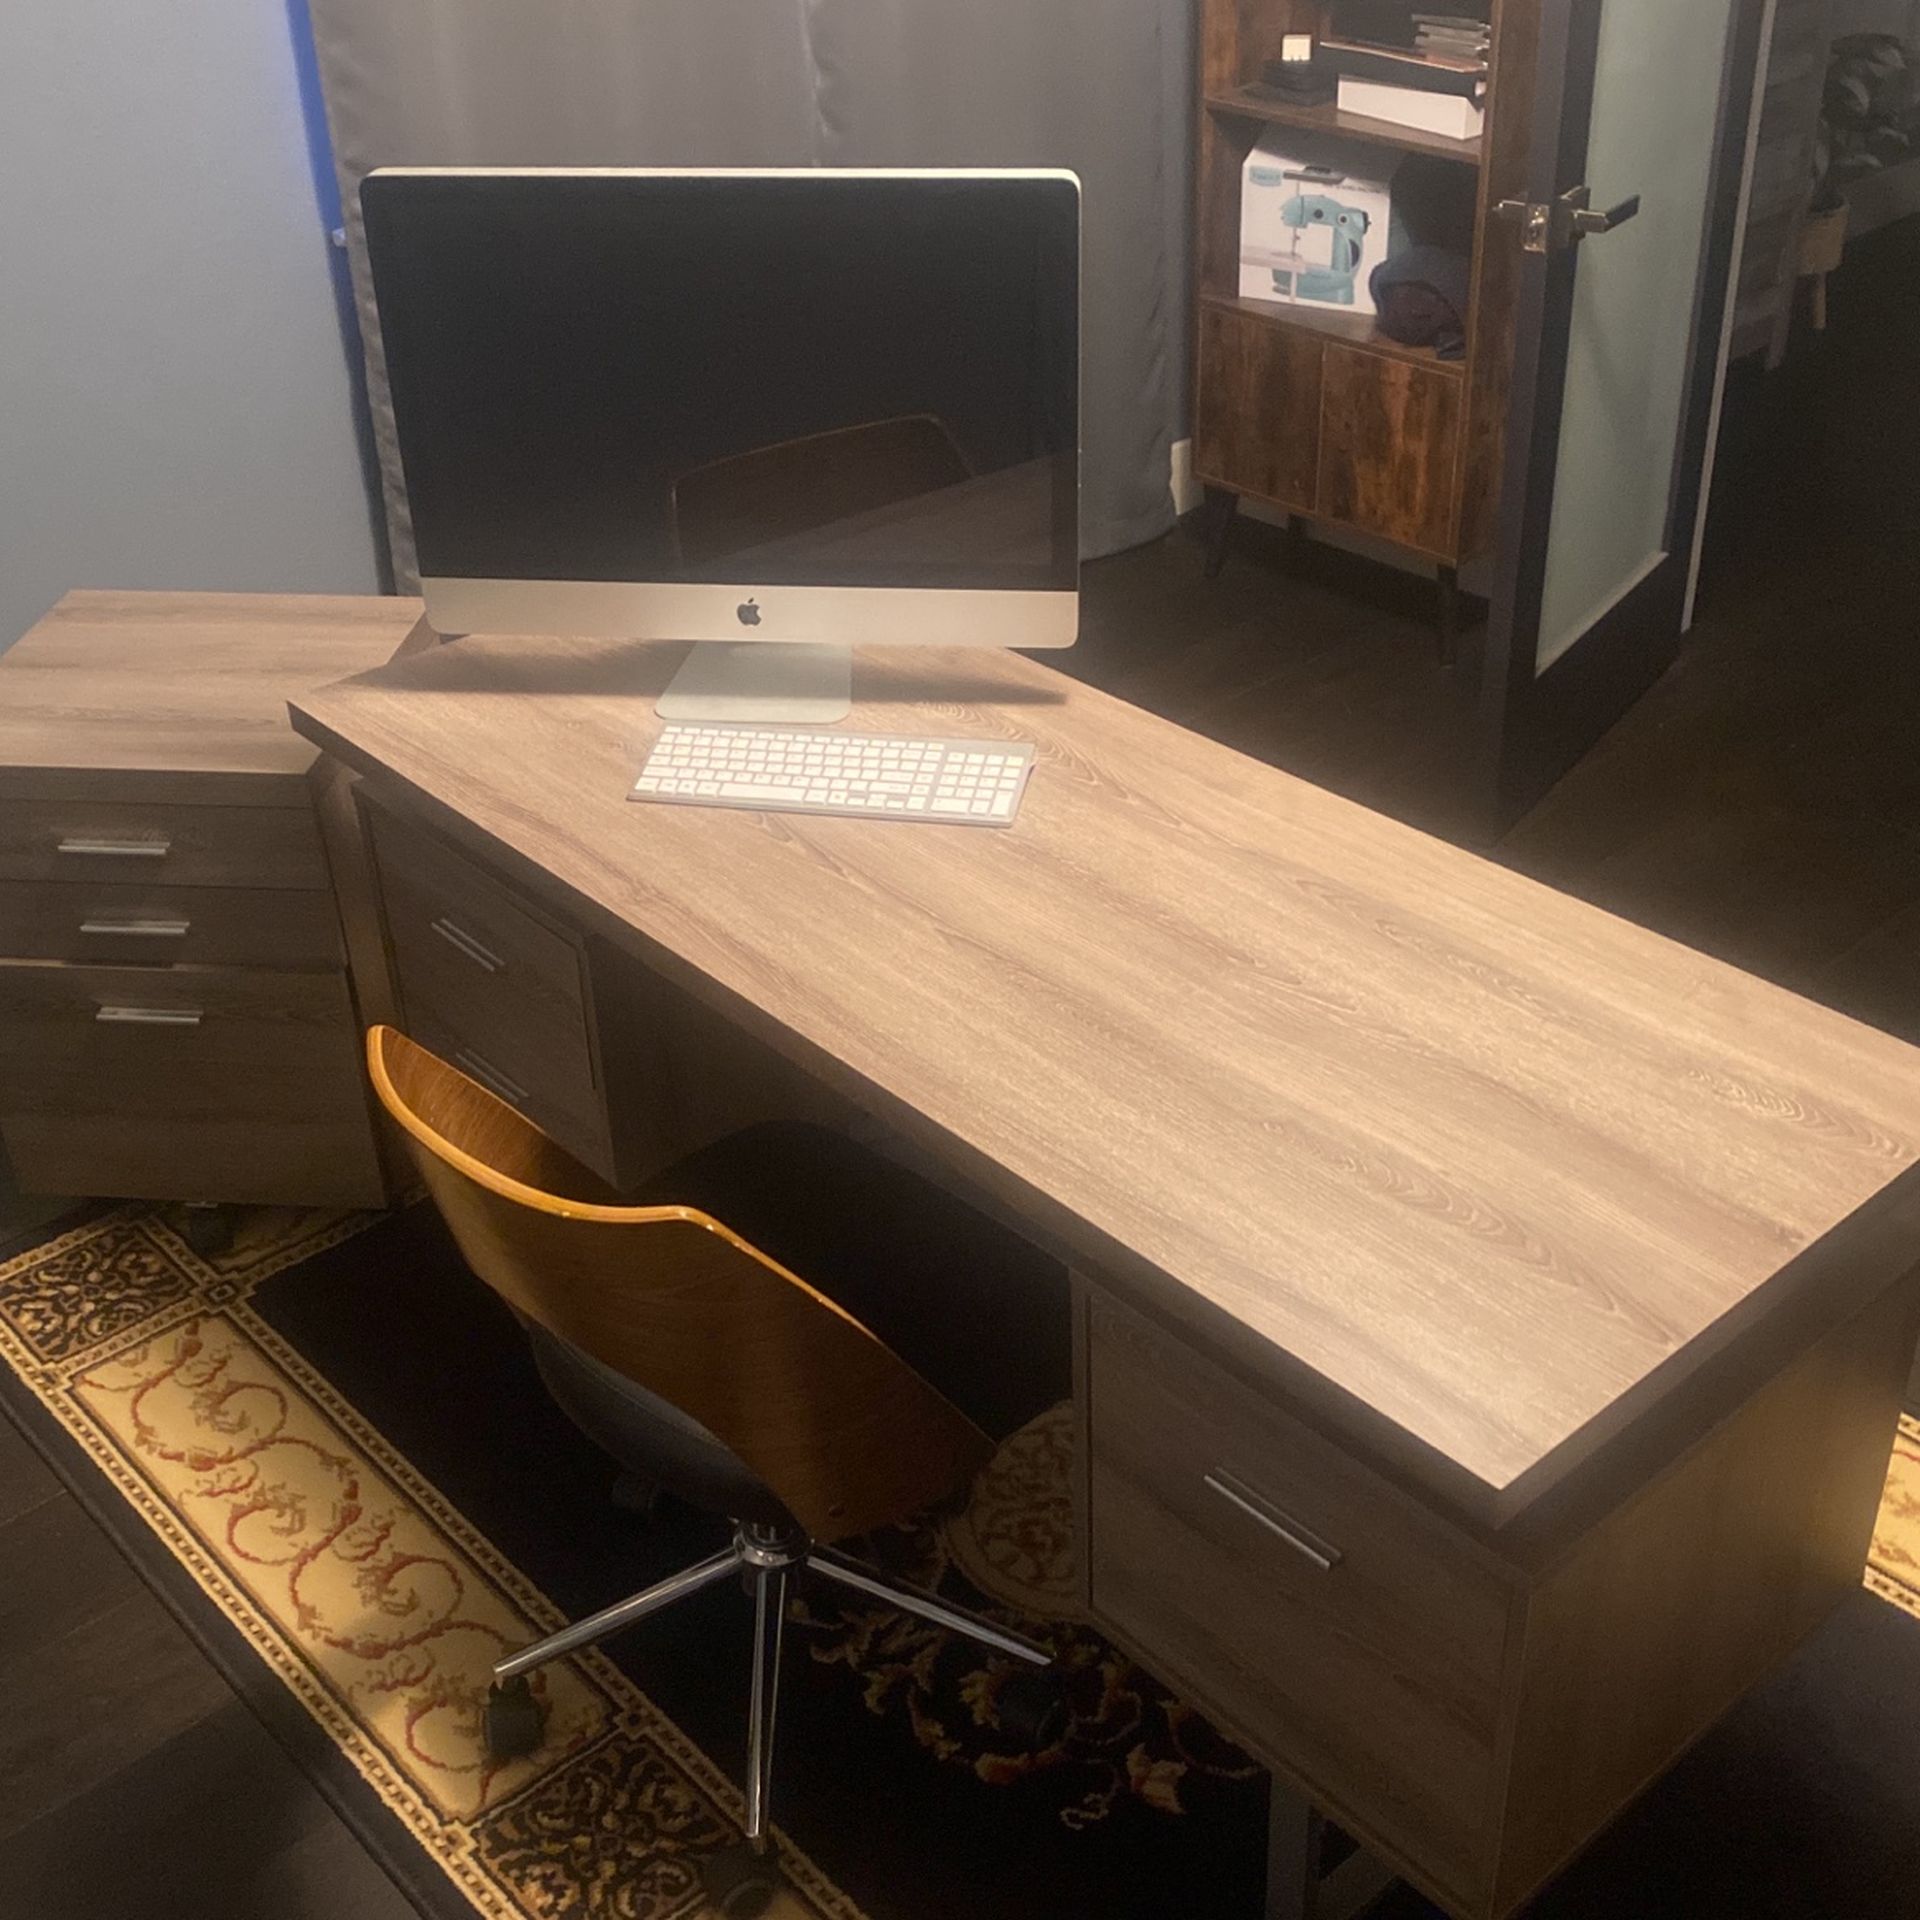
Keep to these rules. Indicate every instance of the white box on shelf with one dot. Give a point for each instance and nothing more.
(1451, 115)
(1316, 218)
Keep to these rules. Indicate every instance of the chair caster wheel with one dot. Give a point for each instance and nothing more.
(208, 1230)
(1030, 1706)
(740, 1883)
(514, 1720)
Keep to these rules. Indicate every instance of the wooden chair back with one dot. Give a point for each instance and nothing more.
(774, 493)
(842, 1430)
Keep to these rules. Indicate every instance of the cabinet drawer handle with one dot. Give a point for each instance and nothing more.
(1302, 1540)
(149, 1016)
(94, 847)
(138, 929)
(462, 941)
(490, 1077)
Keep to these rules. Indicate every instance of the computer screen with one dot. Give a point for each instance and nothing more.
(809, 380)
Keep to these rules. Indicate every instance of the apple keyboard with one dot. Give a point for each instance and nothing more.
(966, 783)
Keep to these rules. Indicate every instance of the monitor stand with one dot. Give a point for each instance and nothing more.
(761, 683)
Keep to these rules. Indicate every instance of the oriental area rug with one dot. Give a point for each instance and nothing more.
(327, 1448)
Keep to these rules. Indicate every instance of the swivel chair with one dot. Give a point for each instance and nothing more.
(706, 1366)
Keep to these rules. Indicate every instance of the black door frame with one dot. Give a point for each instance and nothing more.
(1535, 727)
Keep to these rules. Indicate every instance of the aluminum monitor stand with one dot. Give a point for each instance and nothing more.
(761, 683)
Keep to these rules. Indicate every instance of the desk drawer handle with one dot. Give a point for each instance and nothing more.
(462, 941)
(149, 1016)
(1302, 1540)
(138, 929)
(92, 847)
(491, 1077)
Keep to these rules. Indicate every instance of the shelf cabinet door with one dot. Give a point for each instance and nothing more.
(1390, 449)
(1257, 421)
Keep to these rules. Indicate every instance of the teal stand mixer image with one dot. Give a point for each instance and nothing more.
(1297, 276)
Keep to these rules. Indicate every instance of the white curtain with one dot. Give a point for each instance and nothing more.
(1088, 84)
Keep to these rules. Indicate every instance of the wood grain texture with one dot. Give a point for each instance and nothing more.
(1698, 1588)
(842, 1430)
(167, 925)
(1389, 449)
(252, 1044)
(481, 979)
(1259, 430)
(1479, 1172)
(181, 695)
(194, 846)
(1373, 1682)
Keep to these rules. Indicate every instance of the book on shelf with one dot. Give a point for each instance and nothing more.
(1440, 73)
(1450, 115)
(1460, 48)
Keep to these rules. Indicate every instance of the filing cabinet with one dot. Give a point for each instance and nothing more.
(176, 1016)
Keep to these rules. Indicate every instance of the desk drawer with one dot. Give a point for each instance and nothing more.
(1352, 1637)
(119, 840)
(113, 922)
(184, 1043)
(202, 1083)
(489, 985)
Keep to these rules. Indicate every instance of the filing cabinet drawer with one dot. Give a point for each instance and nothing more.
(140, 843)
(167, 1043)
(1352, 1636)
(126, 923)
(488, 985)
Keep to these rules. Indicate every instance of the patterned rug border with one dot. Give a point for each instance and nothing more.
(1897, 1589)
(410, 1866)
(292, 1700)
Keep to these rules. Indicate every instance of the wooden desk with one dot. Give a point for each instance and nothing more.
(1494, 1315)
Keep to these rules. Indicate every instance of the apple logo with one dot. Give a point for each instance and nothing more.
(749, 613)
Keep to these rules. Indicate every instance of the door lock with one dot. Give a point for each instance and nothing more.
(1555, 226)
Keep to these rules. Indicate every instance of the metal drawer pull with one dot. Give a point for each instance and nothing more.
(88, 844)
(1307, 1544)
(490, 1077)
(462, 941)
(149, 1016)
(139, 929)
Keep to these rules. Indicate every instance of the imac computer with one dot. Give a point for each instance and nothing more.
(782, 413)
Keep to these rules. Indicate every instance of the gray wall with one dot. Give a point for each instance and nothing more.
(174, 401)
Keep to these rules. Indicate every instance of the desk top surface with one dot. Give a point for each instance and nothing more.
(191, 688)
(1487, 1162)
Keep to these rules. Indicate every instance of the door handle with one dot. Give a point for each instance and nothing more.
(139, 929)
(458, 938)
(1555, 226)
(93, 847)
(1307, 1544)
(149, 1016)
(1587, 224)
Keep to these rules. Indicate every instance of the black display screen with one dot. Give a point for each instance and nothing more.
(805, 379)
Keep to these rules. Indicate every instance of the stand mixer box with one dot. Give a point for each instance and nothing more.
(1315, 223)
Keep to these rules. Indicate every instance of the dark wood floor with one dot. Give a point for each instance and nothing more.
(1762, 803)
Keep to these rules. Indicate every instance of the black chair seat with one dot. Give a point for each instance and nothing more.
(974, 1309)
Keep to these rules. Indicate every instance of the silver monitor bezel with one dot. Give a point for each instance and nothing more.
(845, 616)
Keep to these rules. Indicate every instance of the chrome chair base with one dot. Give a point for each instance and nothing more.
(770, 1559)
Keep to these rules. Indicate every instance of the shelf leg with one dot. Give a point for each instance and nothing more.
(1448, 622)
(1222, 505)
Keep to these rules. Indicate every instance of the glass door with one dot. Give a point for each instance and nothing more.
(1628, 239)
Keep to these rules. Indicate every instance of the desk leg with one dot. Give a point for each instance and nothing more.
(1297, 1888)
